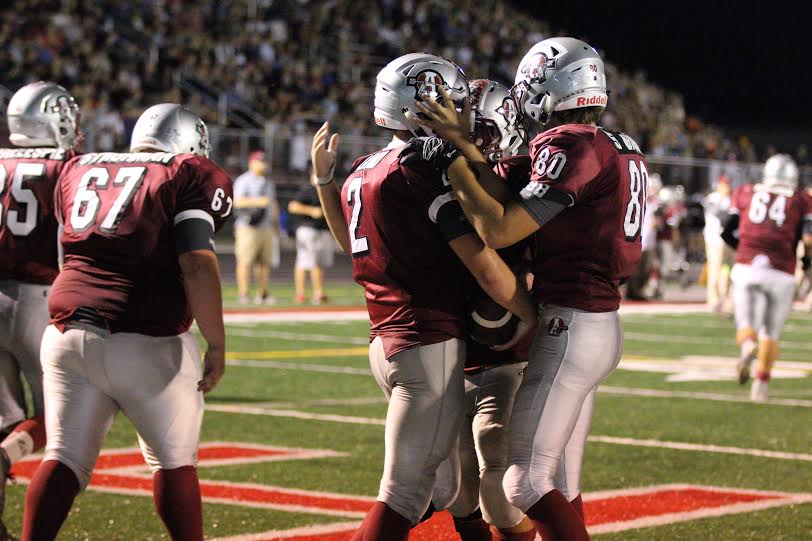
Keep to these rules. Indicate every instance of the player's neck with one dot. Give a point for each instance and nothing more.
(400, 138)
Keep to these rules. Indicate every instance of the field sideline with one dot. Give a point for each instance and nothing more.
(292, 440)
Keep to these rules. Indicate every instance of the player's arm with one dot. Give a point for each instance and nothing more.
(201, 281)
(259, 202)
(497, 280)
(301, 209)
(323, 154)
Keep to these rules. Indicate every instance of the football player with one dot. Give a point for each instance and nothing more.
(584, 201)
(411, 246)
(769, 217)
(481, 511)
(43, 122)
(139, 266)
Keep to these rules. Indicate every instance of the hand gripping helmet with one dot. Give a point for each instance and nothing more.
(410, 76)
(558, 74)
(43, 114)
(496, 120)
(780, 171)
(169, 127)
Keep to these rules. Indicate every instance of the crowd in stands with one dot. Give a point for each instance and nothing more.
(298, 60)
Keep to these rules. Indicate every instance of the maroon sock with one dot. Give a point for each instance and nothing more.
(473, 527)
(554, 511)
(529, 535)
(48, 500)
(384, 524)
(578, 505)
(177, 500)
(35, 428)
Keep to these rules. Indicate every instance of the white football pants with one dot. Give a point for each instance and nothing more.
(762, 298)
(425, 389)
(552, 412)
(90, 374)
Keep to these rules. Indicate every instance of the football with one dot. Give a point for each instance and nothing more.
(489, 323)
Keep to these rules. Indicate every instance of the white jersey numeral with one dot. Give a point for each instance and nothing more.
(86, 203)
(548, 165)
(760, 208)
(22, 196)
(638, 184)
(360, 245)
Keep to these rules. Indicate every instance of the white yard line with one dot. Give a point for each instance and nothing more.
(698, 395)
(296, 316)
(685, 339)
(682, 446)
(634, 442)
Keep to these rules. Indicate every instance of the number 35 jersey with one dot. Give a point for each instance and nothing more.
(586, 251)
(120, 213)
(28, 229)
(770, 221)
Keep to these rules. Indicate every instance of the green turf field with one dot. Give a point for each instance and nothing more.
(660, 419)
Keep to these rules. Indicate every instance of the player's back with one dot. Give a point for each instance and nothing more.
(415, 285)
(591, 247)
(119, 213)
(28, 228)
(770, 219)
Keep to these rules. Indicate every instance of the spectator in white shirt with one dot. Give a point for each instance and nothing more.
(256, 229)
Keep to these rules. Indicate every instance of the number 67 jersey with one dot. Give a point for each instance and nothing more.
(124, 218)
(585, 252)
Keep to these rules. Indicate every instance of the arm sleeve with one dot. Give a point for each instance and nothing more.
(542, 202)
(435, 195)
(204, 203)
(730, 233)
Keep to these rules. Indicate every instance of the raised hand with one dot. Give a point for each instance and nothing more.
(324, 155)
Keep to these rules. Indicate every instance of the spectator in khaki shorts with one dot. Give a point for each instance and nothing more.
(315, 246)
(257, 228)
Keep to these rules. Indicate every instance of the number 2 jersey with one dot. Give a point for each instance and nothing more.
(28, 228)
(588, 249)
(770, 223)
(400, 221)
(121, 215)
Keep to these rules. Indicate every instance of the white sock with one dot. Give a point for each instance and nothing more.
(18, 445)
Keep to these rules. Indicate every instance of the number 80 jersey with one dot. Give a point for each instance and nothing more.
(586, 251)
(119, 213)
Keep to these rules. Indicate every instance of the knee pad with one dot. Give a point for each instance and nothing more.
(518, 488)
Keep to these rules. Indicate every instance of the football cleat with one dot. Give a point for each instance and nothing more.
(744, 364)
(758, 392)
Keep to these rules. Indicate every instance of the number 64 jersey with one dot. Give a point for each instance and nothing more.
(124, 218)
(586, 251)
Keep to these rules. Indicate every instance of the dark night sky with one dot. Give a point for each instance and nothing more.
(744, 65)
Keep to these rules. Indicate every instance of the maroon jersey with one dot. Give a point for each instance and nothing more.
(515, 171)
(28, 228)
(119, 213)
(770, 221)
(400, 221)
(586, 251)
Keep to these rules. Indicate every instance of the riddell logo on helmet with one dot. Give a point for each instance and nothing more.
(594, 100)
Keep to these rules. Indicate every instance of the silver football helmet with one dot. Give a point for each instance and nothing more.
(496, 120)
(410, 76)
(43, 114)
(559, 74)
(780, 171)
(169, 127)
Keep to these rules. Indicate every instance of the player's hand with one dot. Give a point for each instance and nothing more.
(214, 366)
(522, 329)
(324, 153)
(442, 118)
(438, 154)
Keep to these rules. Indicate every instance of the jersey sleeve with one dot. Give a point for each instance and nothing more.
(561, 169)
(204, 203)
(437, 200)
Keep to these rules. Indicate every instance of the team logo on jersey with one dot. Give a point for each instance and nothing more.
(535, 69)
(427, 83)
(556, 327)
